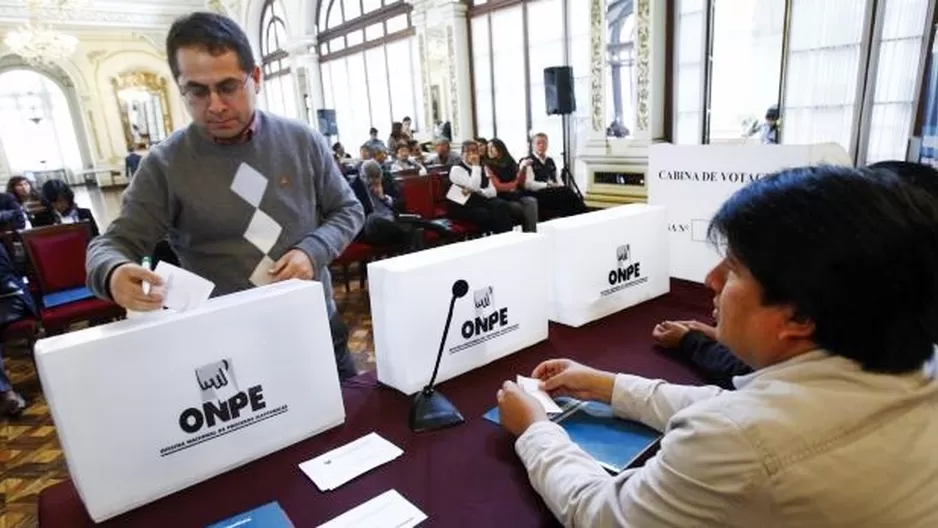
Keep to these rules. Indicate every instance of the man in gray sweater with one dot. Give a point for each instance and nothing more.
(247, 198)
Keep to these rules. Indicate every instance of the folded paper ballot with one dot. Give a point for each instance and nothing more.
(182, 290)
(388, 510)
(614, 443)
(330, 470)
(270, 515)
(532, 386)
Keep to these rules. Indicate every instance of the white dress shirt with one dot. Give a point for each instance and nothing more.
(530, 183)
(811, 442)
(458, 175)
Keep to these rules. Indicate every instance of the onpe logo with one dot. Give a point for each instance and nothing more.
(217, 406)
(487, 317)
(626, 270)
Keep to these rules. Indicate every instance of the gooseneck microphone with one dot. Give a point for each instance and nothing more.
(431, 410)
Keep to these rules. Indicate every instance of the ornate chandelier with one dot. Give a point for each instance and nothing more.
(37, 42)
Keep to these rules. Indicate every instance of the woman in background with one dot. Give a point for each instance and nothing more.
(29, 202)
(508, 180)
(61, 200)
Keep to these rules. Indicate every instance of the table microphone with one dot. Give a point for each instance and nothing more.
(431, 410)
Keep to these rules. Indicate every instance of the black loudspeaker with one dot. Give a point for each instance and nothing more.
(327, 124)
(558, 90)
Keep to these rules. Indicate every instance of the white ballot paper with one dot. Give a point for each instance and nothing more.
(388, 510)
(532, 387)
(330, 470)
(182, 290)
(455, 194)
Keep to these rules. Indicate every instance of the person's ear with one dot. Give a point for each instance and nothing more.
(797, 327)
(257, 76)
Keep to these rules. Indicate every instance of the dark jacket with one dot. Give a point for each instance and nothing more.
(15, 300)
(11, 213)
(390, 188)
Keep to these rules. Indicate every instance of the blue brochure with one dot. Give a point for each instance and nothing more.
(614, 443)
(269, 515)
(66, 296)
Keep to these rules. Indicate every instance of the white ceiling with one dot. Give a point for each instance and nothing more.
(113, 14)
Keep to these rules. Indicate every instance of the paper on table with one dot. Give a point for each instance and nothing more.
(532, 387)
(455, 194)
(182, 290)
(388, 510)
(330, 470)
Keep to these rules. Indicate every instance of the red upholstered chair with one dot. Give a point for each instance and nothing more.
(439, 184)
(57, 258)
(418, 194)
(356, 252)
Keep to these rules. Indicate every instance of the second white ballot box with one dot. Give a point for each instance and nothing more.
(605, 261)
(503, 306)
(149, 406)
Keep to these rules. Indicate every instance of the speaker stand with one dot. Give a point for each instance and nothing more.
(565, 175)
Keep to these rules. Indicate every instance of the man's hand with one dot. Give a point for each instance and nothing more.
(668, 334)
(564, 377)
(518, 409)
(526, 163)
(295, 264)
(126, 287)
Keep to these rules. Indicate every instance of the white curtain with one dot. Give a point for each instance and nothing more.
(580, 51)
(36, 126)
(545, 49)
(894, 95)
(509, 89)
(823, 63)
(481, 67)
(747, 58)
(688, 75)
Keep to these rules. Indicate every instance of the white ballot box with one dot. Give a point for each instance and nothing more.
(504, 308)
(605, 261)
(149, 406)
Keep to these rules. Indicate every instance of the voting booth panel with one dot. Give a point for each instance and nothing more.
(146, 407)
(693, 181)
(606, 261)
(505, 309)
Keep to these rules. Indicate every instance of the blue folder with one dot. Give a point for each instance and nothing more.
(66, 296)
(615, 443)
(270, 515)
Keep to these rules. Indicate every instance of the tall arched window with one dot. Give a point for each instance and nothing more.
(36, 126)
(620, 57)
(370, 73)
(278, 90)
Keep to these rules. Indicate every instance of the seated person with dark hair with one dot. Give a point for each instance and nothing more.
(542, 183)
(696, 341)
(443, 154)
(378, 195)
(405, 162)
(15, 304)
(835, 426)
(62, 205)
(473, 198)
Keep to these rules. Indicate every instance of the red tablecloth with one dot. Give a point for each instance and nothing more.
(462, 476)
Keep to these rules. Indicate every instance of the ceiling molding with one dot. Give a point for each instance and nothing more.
(152, 15)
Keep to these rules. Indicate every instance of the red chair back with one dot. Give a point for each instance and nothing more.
(418, 195)
(57, 254)
(439, 182)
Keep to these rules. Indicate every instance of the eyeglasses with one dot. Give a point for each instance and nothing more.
(199, 93)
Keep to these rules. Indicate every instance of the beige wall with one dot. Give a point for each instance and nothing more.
(101, 56)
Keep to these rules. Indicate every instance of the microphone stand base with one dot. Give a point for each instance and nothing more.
(431, 411)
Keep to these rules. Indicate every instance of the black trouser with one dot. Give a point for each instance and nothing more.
(343, 359)
(380, 231)
(491, 215)
(562, 201)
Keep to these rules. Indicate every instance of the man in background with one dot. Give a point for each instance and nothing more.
(206, 184)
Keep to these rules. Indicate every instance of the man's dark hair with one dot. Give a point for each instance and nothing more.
(466, 145)
(372, 131)
(855, 251)
(52, 190)
(915, 173)
(212, 32)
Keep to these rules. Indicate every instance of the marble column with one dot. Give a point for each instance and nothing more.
(613, 169)
(443, 44)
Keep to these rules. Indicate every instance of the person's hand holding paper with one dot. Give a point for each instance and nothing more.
(518, 409)
(564, 377)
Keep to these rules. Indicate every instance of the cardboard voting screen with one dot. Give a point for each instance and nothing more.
(693, 181)
(606, 261)
(148, 406)
(504, 310)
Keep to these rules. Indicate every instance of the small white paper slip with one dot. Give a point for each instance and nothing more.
(532, 387)
(183, 290)
(455, 194)
(388, 510)
(330, 470)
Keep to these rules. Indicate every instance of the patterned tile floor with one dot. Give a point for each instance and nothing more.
(30, 456)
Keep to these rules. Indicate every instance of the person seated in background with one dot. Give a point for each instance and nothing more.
(837, 422)
(338, 152)
(381, 156)
(406, 124)
(443, 154)
(373, 142)
(472, 197)
(397, 136)
(132, 160)
(542, 183)
(697, 342)
(364, 153)
(483, 146)
(12, 217)
(403, 162)
(508, 180)
(61, 200)
(29, 202)
(417, 154)
(382, 204)
(15, 303)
